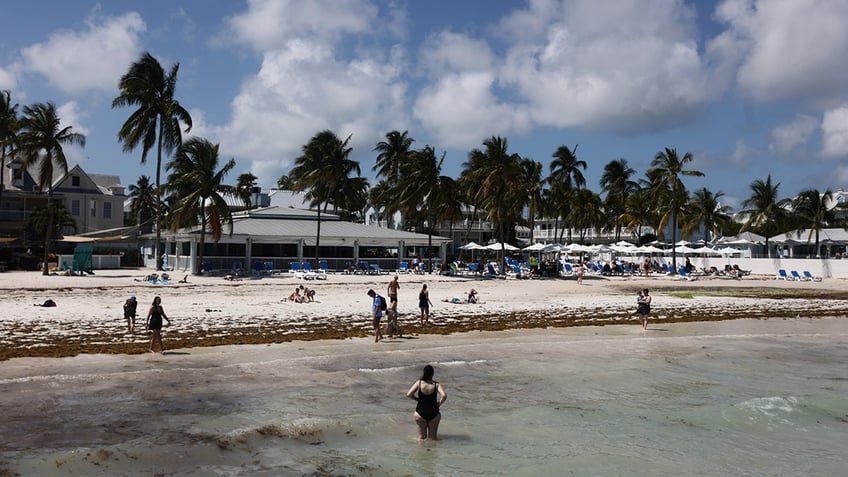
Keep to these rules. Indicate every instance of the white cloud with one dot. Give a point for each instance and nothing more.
(270, 24)
(789, 137)
(786, 48)
(447, 52)
(7, 80)
(622, 66)
(835, 133)
(77, 61)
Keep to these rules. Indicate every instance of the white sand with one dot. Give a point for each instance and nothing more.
(211, 310)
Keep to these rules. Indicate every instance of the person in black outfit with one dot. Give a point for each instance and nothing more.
(430, 396)
(154, 323)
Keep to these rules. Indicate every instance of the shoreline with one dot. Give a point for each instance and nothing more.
(210, 311)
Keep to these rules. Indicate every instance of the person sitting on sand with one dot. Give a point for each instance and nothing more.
(232, 278)
(308, 294)
(473, 297)
(184, 280)
(295, 296)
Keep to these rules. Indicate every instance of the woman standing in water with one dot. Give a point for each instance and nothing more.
(154, 323)
(430, 396)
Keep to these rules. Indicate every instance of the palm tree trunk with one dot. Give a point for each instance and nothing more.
(318, 237)
(674, 241)
(202, 241)
(46, 268)
(158, 221)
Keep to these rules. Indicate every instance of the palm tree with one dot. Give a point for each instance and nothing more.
(500, 192)
(665, 172)
(42, 145)
(590, 214)
(535, 189)
(393, 153)
(142, 197)
(705, 209)
(615, 181)
(321, 170)
(763, 209)
(38, 220)
(421, 182)
(156, 121)
(245, 184)
(285, 183)
(811, 208)
(565, 176)
(199, 187)
(8, 132)
(639, 210)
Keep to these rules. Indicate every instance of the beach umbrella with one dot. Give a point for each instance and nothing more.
(553, 248)
(683, 249)
(472, 246)
(536, 247)
(497, 246)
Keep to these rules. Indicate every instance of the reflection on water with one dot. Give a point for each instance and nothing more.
(768, 397)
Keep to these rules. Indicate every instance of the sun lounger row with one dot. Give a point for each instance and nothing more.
(794, 275)
(304, 270)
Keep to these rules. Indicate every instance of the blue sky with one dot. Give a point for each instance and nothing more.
(749, 87)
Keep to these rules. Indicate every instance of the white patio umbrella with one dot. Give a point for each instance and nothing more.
(649, 249)
(536, 247)
(553, 248)
(683, 249)
(497, 246)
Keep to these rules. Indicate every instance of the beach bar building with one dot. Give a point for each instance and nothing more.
(275, 238)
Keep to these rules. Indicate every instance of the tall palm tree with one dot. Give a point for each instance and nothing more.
(590, 214)
(42, 145)
(565, 176)
(200, 192)
(498, 174)
(245, 184)
(393, 153)
(665, 172)
(639, 210)
(535, 189)
(765, 211)
(705, 209)
(615, 181)
(285, 183)
(811, 208)
(142, 197)
(8, 132)
(156, 121)
(421, 183)
(321, 170)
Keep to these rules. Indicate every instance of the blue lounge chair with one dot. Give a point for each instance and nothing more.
(375, 269)
(473, 267)
(294, 269)
(403, 267)
(796, 275)
(567, 270)
(809, 276)
(781, 275)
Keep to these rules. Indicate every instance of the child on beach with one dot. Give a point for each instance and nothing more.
(130, 307)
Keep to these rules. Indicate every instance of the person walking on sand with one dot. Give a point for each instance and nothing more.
(376, 314)
(154, 323)
(392, 291)
(130, 308)
(424, 304)
(430, 396)
(643, 308)
(580, 272)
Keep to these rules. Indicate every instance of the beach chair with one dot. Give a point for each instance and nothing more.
(258, 268)
(567, 271)
(403, 267)
(473, 267)
(308, 273)
(809, 276)
(269, 268)
(295, 270)
(237, 268)
(362, 268)
(796, 275)
(375, 269)
(781, 275)
(682, 273)
(324, 266)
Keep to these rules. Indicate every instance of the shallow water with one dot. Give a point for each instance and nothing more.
(726, 398)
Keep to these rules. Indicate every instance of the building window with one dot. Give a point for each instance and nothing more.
(107, 210)
(92, 205)
(75, 181)
(75, 208)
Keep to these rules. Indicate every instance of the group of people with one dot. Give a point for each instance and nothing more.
(153, 322)
(301, 294)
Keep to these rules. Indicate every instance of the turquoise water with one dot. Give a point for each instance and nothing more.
(726, 398)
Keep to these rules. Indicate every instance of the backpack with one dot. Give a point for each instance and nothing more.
(383, 305)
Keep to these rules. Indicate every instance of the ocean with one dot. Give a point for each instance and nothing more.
(743, 397)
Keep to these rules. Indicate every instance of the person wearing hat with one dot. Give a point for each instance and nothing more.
(376, 314)
(130, 307)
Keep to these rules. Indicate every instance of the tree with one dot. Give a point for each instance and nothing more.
(705, 209)
(37, 222)
(565, 176)
(535, 189)
(763, 209)
(142, 197)
(590, 214)
(156, 121)
(393, 153)
(42, 145)
(665, 172)
(421, 182)
(200, 191)
(615, 181)
(245, 184)
(285, 183)
(8, 132)
(500, 193)
(812, 211)
(321, 171)
(639, 210)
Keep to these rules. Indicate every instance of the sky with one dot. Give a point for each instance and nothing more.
(750, 88)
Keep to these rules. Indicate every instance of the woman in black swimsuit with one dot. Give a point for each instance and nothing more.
(154, 323)
(430, 396)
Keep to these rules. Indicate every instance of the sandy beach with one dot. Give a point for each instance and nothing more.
(211, 311)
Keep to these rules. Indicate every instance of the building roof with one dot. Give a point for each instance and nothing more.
(283, 225)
